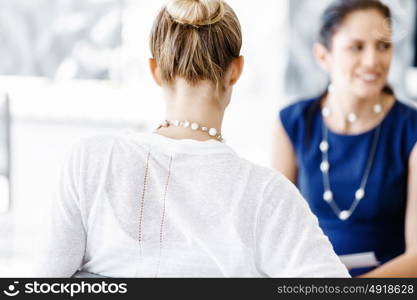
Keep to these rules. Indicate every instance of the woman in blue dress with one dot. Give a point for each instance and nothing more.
(352, 151)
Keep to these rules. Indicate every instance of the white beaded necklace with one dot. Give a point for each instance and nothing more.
(212, 132)
(353, 117)
(328, 195)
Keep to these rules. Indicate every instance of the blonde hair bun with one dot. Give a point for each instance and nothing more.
(196, 12)
(190, 53)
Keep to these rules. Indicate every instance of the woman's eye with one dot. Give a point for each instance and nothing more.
(384, 46)
(356, 48)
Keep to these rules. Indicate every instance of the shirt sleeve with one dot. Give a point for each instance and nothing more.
(63, 246)
(289, 241)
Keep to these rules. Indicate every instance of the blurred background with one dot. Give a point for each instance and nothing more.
(74, 68)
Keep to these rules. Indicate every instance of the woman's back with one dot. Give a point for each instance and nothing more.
(153, 206)
(178, 202)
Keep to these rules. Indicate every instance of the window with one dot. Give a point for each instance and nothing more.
(4, 154)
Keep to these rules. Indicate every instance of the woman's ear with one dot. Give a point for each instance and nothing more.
(153, 66)
(322, 55)
(236, 68)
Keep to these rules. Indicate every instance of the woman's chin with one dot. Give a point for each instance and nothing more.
(369, 92)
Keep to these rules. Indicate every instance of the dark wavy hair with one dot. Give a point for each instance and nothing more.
(339, 10)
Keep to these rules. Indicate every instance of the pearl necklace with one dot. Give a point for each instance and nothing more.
(353, 117)
(212, 132)
(328, 195)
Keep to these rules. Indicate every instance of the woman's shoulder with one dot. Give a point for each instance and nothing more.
(95, 145)
(299, 106)
(91, 142)
(406, 122)
(109, 140)
(294, 117)
(266, 178)
(95, 149)
(404, 117)
(297, 111)
(407, 111)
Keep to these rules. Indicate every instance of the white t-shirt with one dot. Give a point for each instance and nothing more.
(143, 205)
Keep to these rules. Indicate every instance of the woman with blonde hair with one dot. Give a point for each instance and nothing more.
(179, 202)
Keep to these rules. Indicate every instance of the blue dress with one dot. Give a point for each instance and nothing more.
(377, 224)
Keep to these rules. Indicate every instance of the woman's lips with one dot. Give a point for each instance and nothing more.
(369, 78)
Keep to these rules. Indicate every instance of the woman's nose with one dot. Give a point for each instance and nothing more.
(370, 57)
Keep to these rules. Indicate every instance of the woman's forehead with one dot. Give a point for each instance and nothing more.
(366, 25)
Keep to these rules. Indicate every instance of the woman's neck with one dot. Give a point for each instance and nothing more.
(342, 104)
(199, 104)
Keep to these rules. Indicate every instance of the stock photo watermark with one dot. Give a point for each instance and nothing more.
(395, 27)
(72, 289)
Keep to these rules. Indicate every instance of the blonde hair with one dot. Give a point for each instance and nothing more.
(196, 40)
